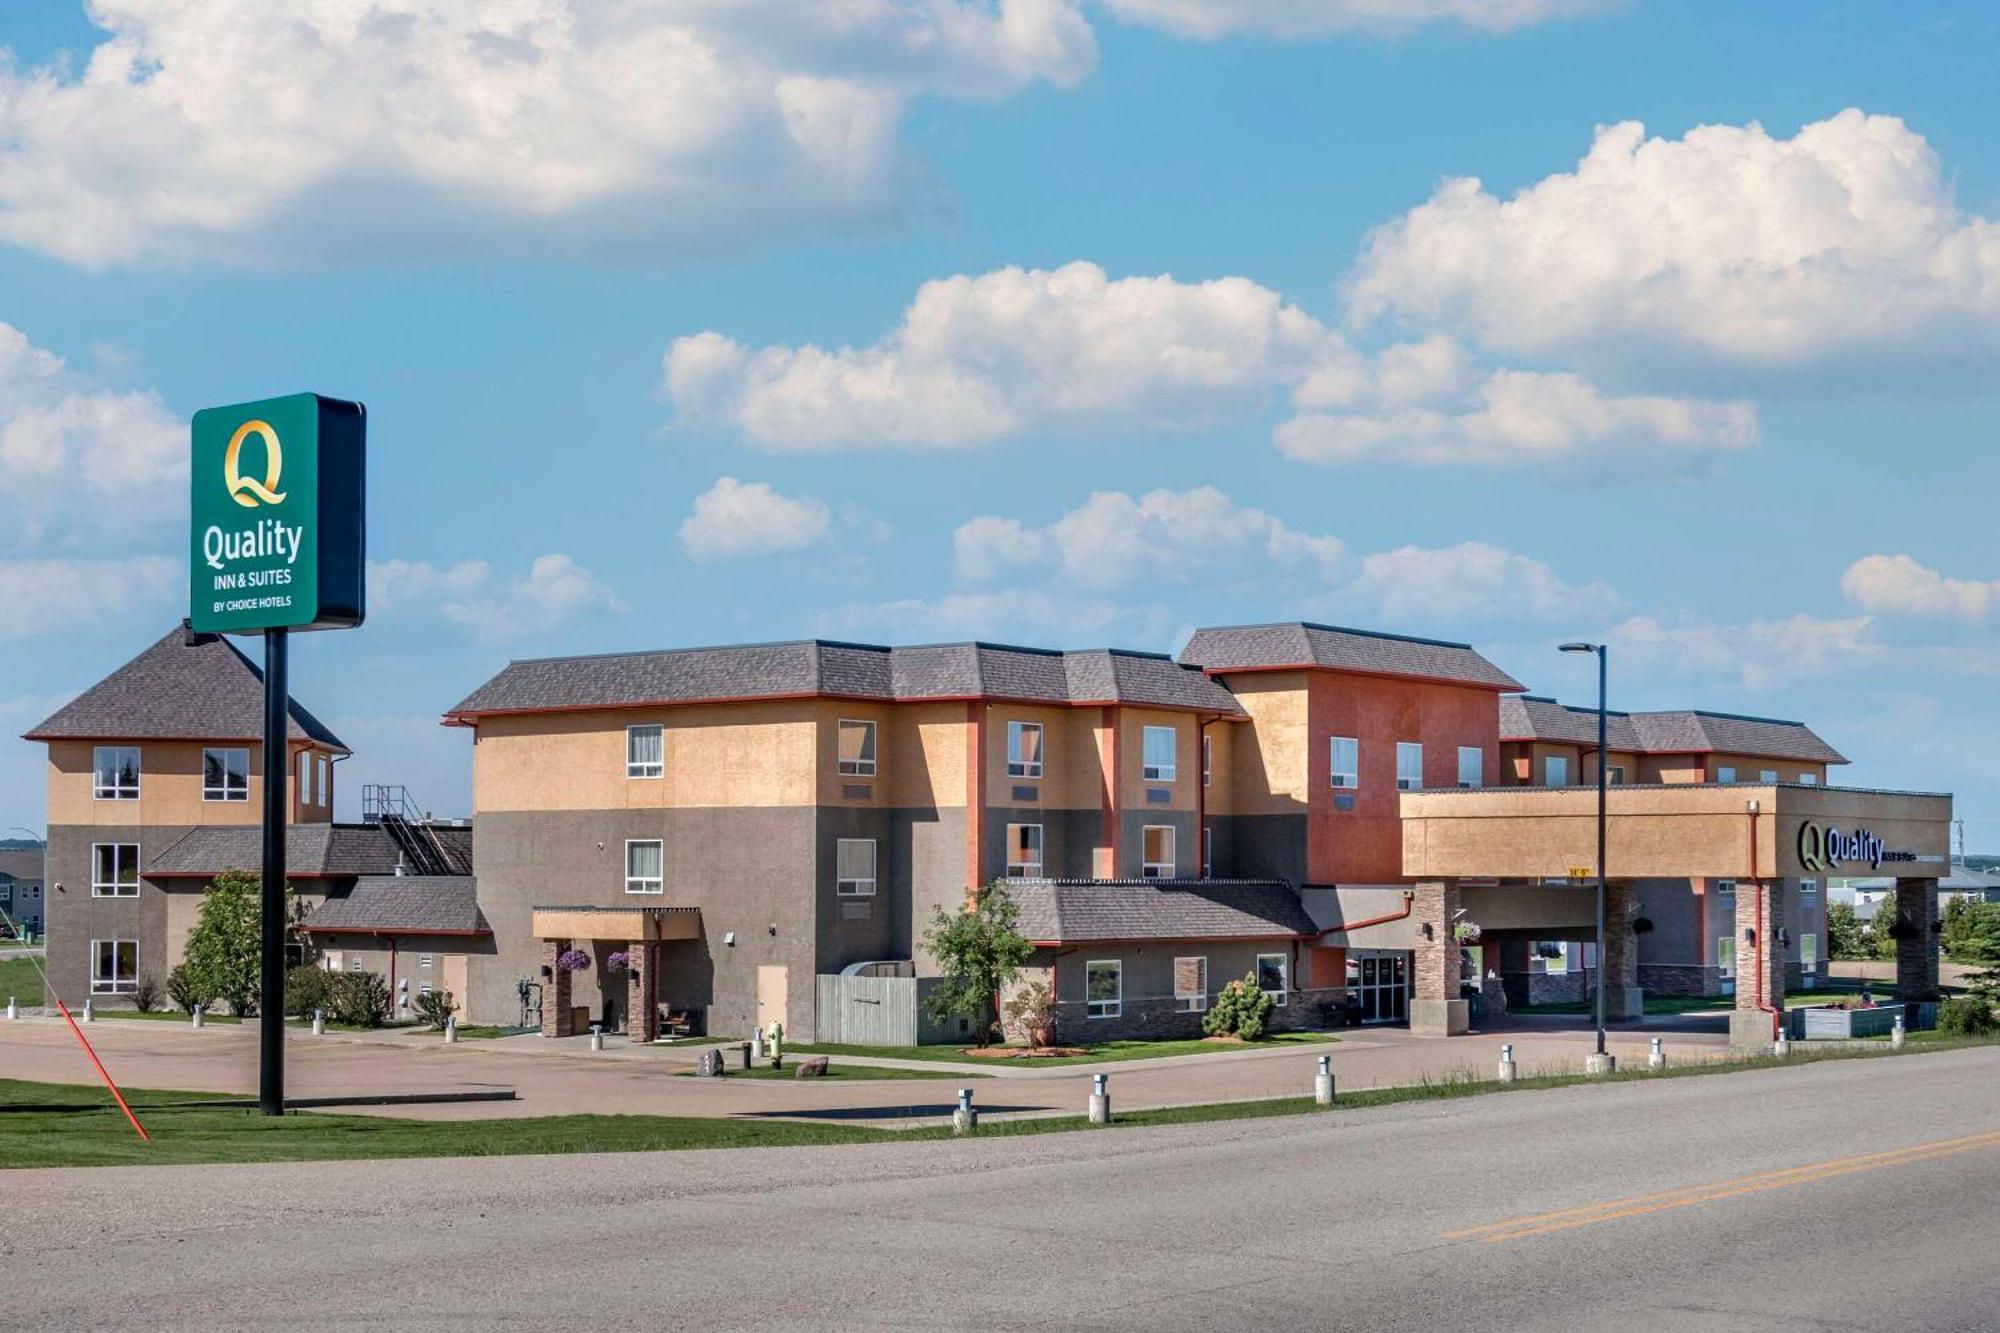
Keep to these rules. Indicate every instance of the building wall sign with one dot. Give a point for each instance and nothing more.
(277, 506)
(1823, 847)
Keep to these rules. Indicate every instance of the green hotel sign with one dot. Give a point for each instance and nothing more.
(277, 502)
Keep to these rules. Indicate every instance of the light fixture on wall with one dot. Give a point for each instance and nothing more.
(774, 928)
(729, 938)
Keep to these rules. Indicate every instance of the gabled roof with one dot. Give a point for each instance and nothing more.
(1105, 911)
(812, 668)
(187, 687)
(1297, 645)
(404, 905)
(1533, 717)
(22, 864)
(312, 851)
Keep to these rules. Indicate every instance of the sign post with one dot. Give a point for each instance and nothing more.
(277, 543)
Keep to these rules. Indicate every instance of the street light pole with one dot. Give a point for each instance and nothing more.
(1603, 653)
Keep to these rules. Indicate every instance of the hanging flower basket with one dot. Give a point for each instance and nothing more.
(1466, 932)
(573, 960)
(1642, 925)
(618, 961)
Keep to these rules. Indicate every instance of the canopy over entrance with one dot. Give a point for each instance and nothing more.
(629, 924)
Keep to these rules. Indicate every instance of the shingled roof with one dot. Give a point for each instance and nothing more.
(1535, 717)
(404, 905)
(1684, 731)
(312, 851)
(185, 687)
(1067, 911)
(1302, 645)
(822, 668)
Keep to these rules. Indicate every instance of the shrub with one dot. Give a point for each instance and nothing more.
(1240, 1010)
(434, 1007)
(1966, 1017)
(182, 991)
(1031, 1011)
(146, 995)
(306, 990)
(360, 999)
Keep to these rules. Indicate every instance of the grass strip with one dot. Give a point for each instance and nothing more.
(1103, 1052)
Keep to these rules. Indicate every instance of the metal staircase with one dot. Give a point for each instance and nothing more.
(413, 831)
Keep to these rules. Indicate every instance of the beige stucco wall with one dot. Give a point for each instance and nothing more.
(169, 786)
(1270, 771)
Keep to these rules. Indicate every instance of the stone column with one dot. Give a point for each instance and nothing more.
(1436, 1010)
(642, 991)
(556, 1018)
(1618, 970)
(1915, 907)
(1760, 962)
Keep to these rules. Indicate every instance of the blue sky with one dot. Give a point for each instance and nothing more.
(1211, 335)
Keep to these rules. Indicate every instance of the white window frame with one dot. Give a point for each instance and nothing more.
(1478, 756)
(857, 887)
(642, 768)
(1409, 750)
(1207, 851)
(1025, 869)
(863, 767)
(116, 983)
(1195, 1001)
(305, 778)
(1284, 993)
(1114, 1006)
(1614, 775)
(325, 766)
(1808, 888)
(1159, 772)
(117, 791)
(1017, 765)
(1727, 886)
(114, 887)
(1349, 778)
(1725, 955)
(645, 885)
(1553, 764)
(1207, 760)
(223, 793)
(1149, 869)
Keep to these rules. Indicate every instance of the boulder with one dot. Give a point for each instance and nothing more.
(812, 1068)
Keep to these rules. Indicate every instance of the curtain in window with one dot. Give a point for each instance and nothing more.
(645, 747)
(642, 860)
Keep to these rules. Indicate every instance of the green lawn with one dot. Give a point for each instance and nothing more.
(1655, 1004)
(1100, 1053)
(848, 1073)
(163, 1016)
(19, 979)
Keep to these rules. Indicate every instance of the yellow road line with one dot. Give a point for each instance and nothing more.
(1610, 1210)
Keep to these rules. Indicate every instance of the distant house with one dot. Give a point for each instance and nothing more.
(21, 889)
(1962, 882)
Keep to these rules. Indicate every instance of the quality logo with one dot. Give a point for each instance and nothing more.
(248, 491)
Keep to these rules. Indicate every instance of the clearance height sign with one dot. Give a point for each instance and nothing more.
(277, 498)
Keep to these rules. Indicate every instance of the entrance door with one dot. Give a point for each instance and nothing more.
(772, 983)
(1384, 987)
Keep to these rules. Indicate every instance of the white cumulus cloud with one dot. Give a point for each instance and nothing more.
(1728, 250)
(1760, 654)
(76, 459)
(1210, 19)
(555, 590)
(734, 519)
(1029, 613)
(1472, 581)
(246, 131)
(1900, 585)
(48, 596)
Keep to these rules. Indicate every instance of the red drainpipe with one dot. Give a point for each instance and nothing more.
(1763, 944)
(1409, 902)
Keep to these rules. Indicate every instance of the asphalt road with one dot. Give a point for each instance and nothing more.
(1850, 1195)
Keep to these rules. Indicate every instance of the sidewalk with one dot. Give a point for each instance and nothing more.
(566, 1078)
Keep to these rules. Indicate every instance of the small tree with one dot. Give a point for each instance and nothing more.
(979, 952)
(1241, 1010)
(306, 990)
(358, 999)
(435, 1007)
(1846, 937)
(226, 945)
(182, 992)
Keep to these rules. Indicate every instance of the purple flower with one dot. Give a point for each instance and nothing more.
(573, 960)
(618, 961)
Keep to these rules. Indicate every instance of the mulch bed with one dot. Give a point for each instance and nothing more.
(1022, 1052)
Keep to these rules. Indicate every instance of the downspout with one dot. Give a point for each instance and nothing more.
(1409, 904)
(1763, 943)
(1201, 799)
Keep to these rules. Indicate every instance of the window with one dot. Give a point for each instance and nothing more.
(1207, 767)
(1614, 774)
(1555, 771)
(1190, 985)
(857, 748)
(1409, 765)
(116, 770)
(225, 775)
(1471, 766)
(1808, 888)
(325, 781)
(854, 867)
(1104, 988)
(1767, 775)
(1725, 774)
(643, 872)
(1808, 779)
(645, 751)
(114, 870)
(305, 780)
(1345, 755)
(1157, 754)
(1158, 851)
(1725, 886)
(1725, 955)
(1024, 851)
(1808, 951)
(114, 967)
(1271, 976)
(1024, 749)
(1207, 850)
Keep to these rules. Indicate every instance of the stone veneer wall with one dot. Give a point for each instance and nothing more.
(1304, 1011)
(1680, 979)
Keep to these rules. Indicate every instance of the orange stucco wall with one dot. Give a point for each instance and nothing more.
(169, 787)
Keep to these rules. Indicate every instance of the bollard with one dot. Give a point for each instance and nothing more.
(1323, 1082)
(89, 1015)
(964, 1120)
(1507, 1062)
(1657, 1057)
(746, 1053)
(1896, 1033)
(1598, 1064)
(756, 1043)
(1100, 1100)
(13, 1009)
(596, 1037)
(1781, 1046)
(319, 1022)
(195, 1016)
(451, 1027)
